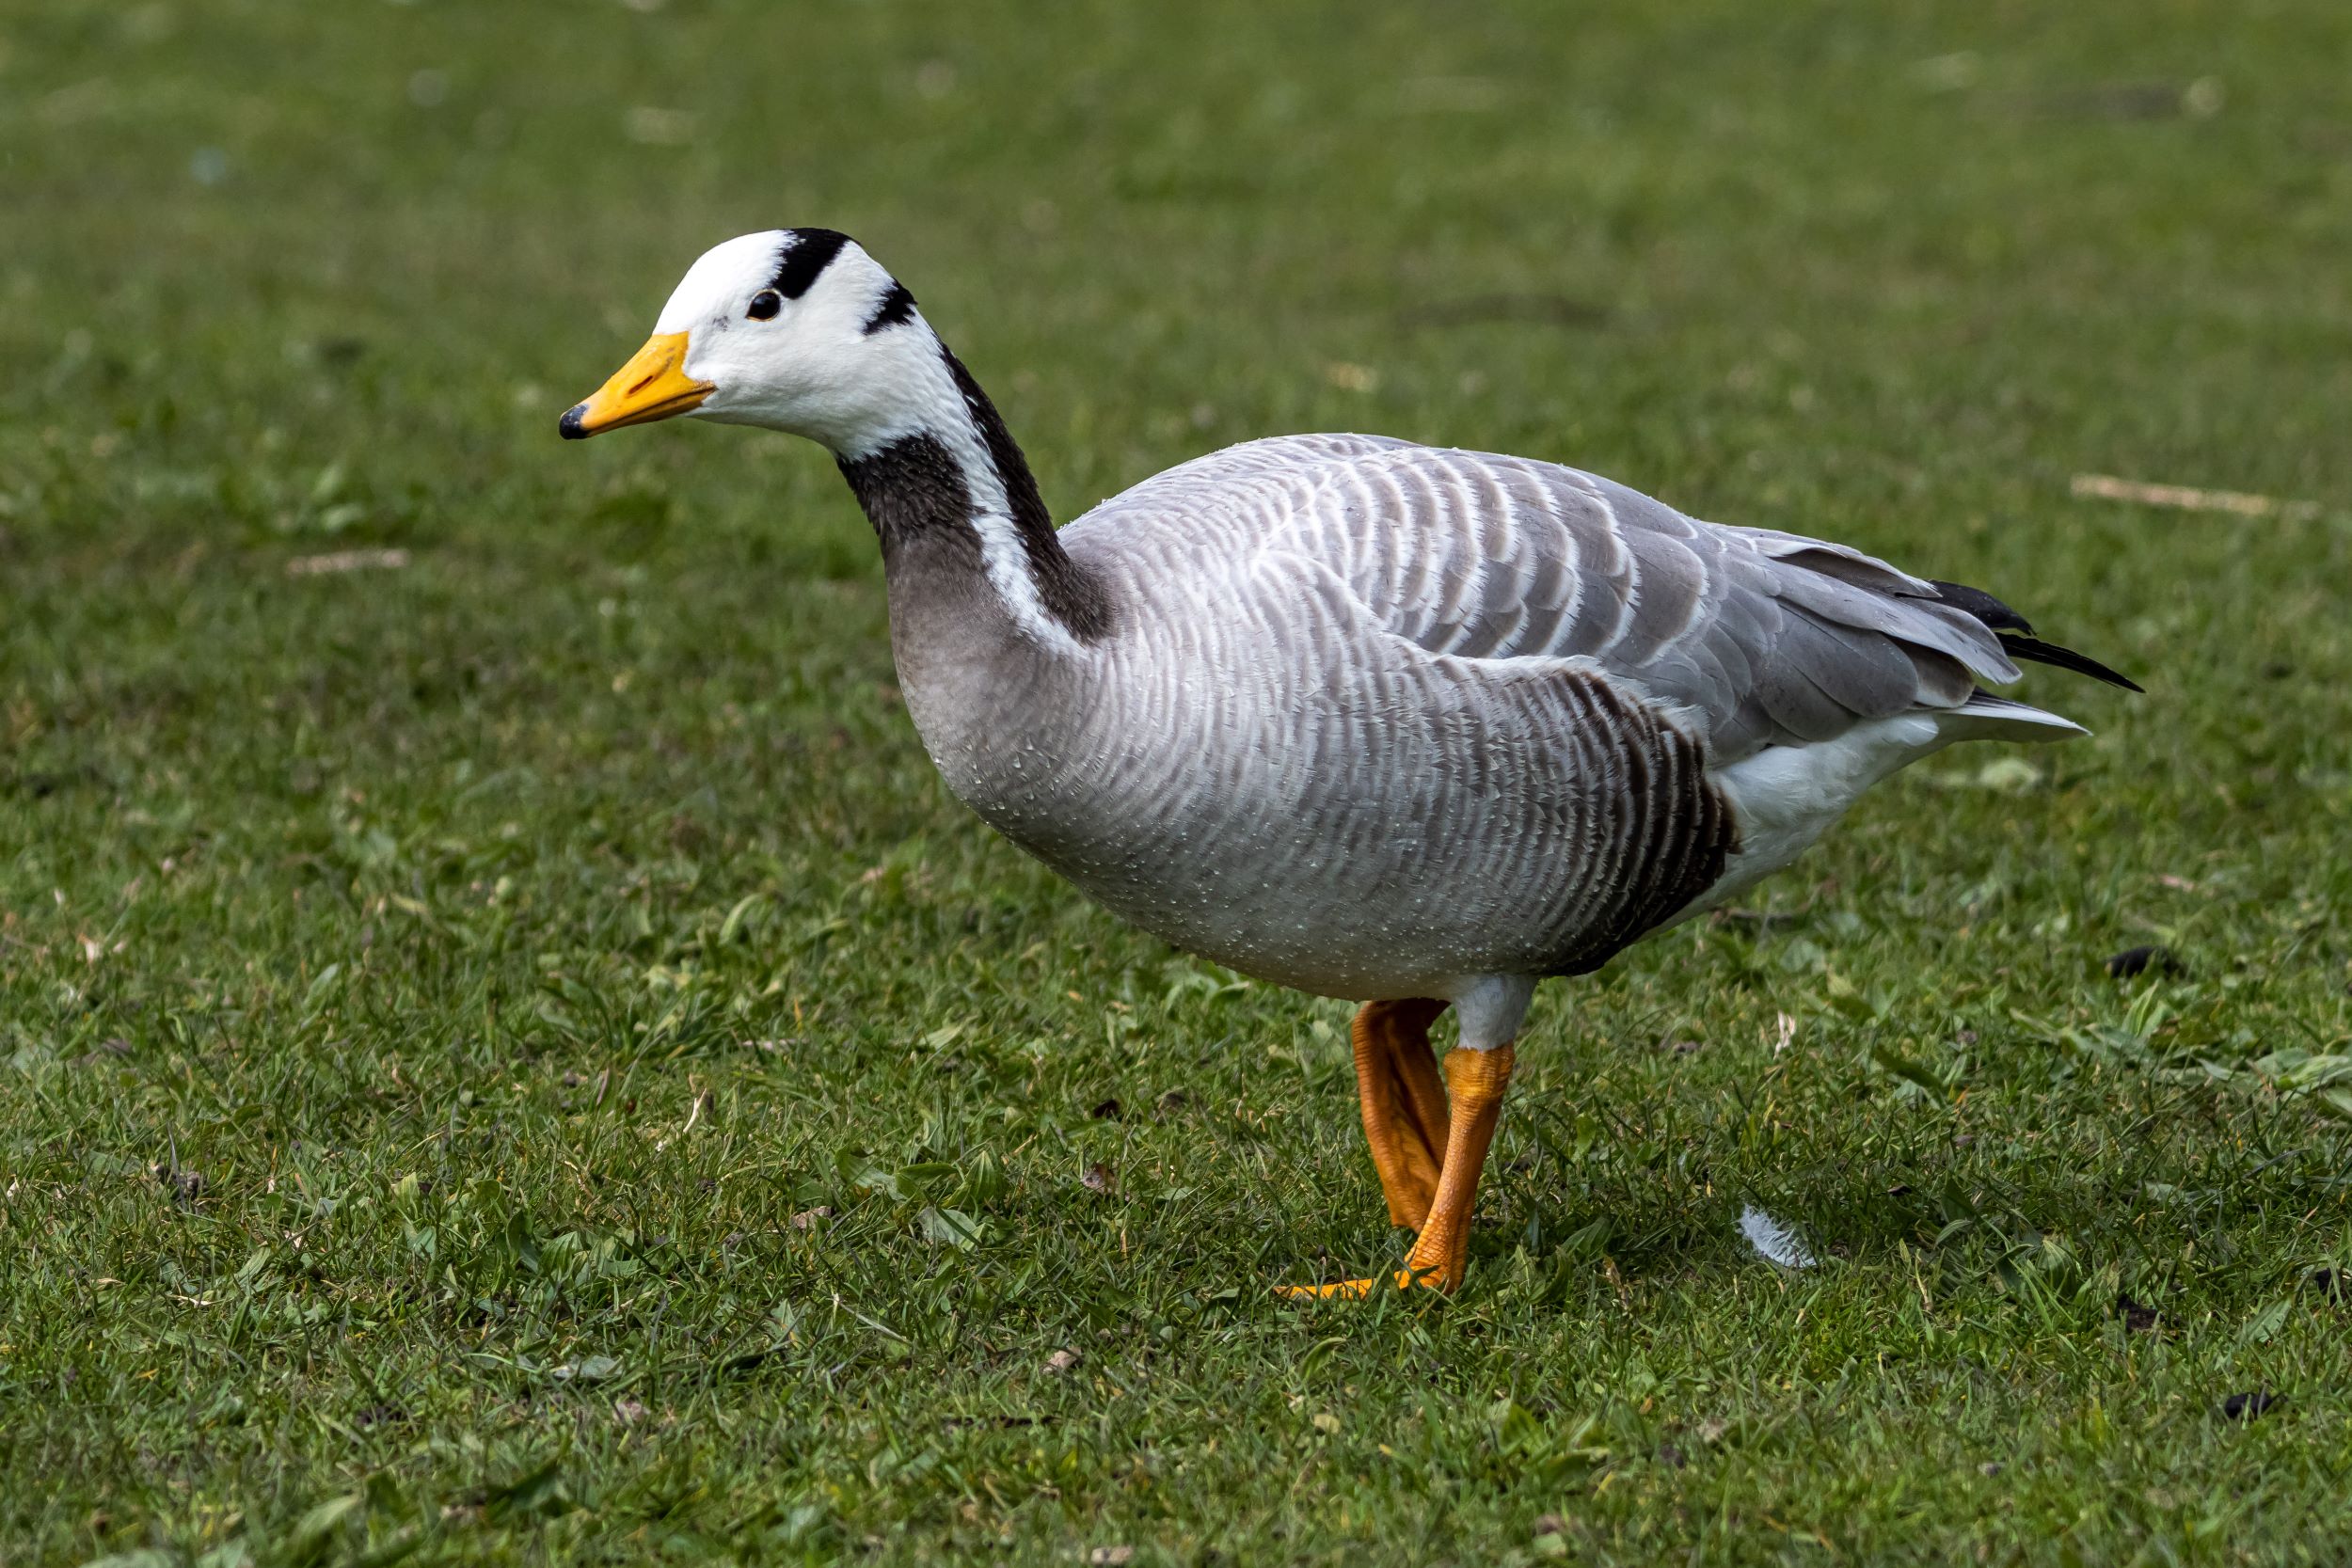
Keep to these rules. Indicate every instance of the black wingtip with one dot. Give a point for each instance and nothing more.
(1984, 606)
(2036, 651)
(569, 426)
(2016, 634)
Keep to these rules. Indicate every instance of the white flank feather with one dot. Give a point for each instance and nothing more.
(1775, 1243)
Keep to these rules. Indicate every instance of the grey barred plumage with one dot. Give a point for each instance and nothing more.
(1771, 637)
(1412, 647)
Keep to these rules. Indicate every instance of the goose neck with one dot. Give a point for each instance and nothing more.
(961, 525)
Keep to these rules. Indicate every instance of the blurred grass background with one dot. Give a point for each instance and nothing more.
(508, 1053)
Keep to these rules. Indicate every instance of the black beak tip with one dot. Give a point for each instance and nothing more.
(569, 426)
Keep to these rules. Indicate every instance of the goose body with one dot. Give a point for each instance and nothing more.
(1376, 719)
(1405, 724)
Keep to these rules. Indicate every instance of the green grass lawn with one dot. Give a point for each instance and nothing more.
(509, 1053)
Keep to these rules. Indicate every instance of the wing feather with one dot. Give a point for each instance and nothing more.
(1757, 637)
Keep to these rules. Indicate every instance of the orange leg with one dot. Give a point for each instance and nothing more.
(1404, 1103)
(1478, 1080)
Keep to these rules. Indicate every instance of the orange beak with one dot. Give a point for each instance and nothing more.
(652, 386)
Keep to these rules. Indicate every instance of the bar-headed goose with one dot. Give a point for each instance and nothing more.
(1405, 724)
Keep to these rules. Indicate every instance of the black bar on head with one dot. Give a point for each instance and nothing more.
(897, 306)
(806, 254)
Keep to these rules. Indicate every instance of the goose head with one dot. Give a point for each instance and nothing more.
(799, 330)
(793, 329)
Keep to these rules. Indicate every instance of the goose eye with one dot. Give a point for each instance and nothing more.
(765, 304)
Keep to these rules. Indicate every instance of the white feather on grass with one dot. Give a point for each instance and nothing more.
(1775, 1243)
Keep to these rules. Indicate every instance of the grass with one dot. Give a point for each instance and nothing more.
(440, 1001)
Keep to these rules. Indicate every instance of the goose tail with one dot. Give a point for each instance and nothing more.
(1987, 717)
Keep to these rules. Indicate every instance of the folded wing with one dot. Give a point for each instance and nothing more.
(1759, 638)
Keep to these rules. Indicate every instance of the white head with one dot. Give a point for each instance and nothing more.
(795, 329)
(798, 329)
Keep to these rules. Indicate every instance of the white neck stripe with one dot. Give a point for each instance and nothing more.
(936, 407)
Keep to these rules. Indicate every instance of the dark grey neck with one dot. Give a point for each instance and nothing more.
(922, 505)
